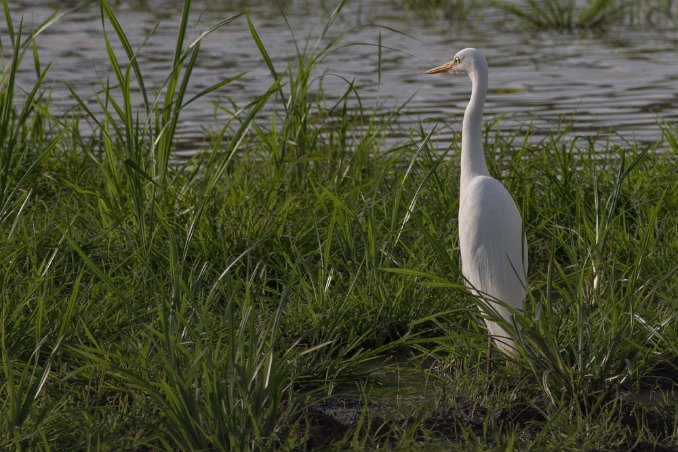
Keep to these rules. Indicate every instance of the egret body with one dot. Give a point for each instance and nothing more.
(491, 237)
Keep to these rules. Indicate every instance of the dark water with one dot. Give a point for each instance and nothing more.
(619, 82)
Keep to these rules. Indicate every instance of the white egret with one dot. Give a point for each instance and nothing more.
(491, 237)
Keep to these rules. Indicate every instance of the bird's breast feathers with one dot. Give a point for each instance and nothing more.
(490, 228)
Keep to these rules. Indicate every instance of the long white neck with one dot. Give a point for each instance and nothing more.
(472, 155)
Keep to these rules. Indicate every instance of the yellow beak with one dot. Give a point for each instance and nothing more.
(442, 68)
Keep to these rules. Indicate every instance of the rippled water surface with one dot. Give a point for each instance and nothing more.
(619, 82)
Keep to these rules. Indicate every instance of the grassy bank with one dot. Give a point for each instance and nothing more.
(296, 285)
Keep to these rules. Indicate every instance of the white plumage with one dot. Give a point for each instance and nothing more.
(491, 237)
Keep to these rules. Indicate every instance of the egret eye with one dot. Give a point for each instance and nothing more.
(457, 60)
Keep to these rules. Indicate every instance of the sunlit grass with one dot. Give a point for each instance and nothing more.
(236, 300)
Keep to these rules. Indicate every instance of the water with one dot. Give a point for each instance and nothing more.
(619, 82)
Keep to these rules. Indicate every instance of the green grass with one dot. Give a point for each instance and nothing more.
(564, 15)
(296, 285)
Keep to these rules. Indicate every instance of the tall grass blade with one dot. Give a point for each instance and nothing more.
(131, 54)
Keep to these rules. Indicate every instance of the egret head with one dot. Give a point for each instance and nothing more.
(466, 61)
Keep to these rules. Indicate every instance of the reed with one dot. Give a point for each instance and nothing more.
(563, 15)
(296, 284)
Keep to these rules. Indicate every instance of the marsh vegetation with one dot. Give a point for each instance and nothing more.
(296, 284)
